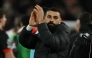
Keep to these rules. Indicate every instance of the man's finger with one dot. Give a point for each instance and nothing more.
(32, 13)
(38, 9)
(36, 12)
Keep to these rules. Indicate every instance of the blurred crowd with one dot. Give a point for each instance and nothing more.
(70, 9)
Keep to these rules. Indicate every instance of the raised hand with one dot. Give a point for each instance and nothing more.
(39, 14)
(32, 21)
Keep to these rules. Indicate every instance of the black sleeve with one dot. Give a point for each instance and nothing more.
(53, 41)
(4, 40)
(27, 39)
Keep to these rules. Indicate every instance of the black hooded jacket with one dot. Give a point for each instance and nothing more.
(80, 47)
(45, 43)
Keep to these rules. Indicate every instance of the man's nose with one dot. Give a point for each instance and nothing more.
(52, 19)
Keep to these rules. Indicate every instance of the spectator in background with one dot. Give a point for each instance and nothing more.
(14, 37)
(80, 47)
(22, 51)
(76, 29)
(18, 49)
(5, 49)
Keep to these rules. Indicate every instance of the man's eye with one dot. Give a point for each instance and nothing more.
(49, 16)
(55, 17)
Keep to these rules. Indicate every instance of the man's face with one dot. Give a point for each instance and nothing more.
(3, 20)
(77, 25)
(52, 18)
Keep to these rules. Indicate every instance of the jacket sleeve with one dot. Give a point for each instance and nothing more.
(4, 42)
(27, 39)
(57, 41)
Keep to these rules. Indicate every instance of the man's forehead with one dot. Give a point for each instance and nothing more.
(52, 13)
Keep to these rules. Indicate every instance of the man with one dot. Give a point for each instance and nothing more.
(76, 28)
(5, 50)
(18, 49)
(22, 51)
(52, 40)
(79, 46)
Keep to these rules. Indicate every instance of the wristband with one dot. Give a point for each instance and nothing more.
(29, 28)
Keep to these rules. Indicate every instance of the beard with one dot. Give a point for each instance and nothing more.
(52, 27)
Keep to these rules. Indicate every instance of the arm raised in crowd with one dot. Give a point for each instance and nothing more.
(26, 38)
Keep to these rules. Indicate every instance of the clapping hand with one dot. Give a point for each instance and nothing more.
(36, 16)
